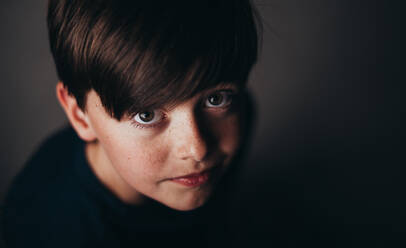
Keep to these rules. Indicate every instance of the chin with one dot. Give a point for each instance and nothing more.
(188, 204)
(186, 207)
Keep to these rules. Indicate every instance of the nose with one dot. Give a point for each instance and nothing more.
(188, 140)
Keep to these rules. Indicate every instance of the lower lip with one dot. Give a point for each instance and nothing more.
(193, 181)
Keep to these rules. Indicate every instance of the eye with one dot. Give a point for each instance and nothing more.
(219, 99)
(148, 118)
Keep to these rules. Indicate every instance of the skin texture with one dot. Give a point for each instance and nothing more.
(135, 160)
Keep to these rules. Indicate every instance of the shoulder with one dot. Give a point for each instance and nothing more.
(39, 207)
(46, 168)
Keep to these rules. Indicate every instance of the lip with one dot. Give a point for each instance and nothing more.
(193, 180)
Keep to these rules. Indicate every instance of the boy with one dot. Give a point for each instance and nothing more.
(155, 92)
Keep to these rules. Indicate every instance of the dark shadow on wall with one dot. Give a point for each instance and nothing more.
(332, 175)
(341, 189)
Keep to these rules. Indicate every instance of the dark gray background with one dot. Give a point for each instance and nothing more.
(324, 165)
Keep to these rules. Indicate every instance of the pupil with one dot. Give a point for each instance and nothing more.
(147, 116)
(215, 99)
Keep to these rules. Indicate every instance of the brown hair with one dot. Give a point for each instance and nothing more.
(143, 54)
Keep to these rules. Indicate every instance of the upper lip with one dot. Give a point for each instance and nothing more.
(194, 173)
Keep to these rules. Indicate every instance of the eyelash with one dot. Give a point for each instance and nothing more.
(231, 98)
(142, 126)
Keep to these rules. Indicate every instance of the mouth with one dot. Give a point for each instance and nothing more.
(193, 180)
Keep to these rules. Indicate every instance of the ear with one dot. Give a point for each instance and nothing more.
(77, 117)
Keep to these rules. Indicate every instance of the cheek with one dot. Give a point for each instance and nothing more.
(148, 161)
(136, 158)
(228, 134)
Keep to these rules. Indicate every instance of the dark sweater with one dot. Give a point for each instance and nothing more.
(56, 201)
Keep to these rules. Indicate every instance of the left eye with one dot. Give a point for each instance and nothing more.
(218, 99)
(149, 117)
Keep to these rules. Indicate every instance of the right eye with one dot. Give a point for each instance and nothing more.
(219, 99)
(148, 118)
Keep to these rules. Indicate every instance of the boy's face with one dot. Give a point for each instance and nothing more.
(174, 156)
